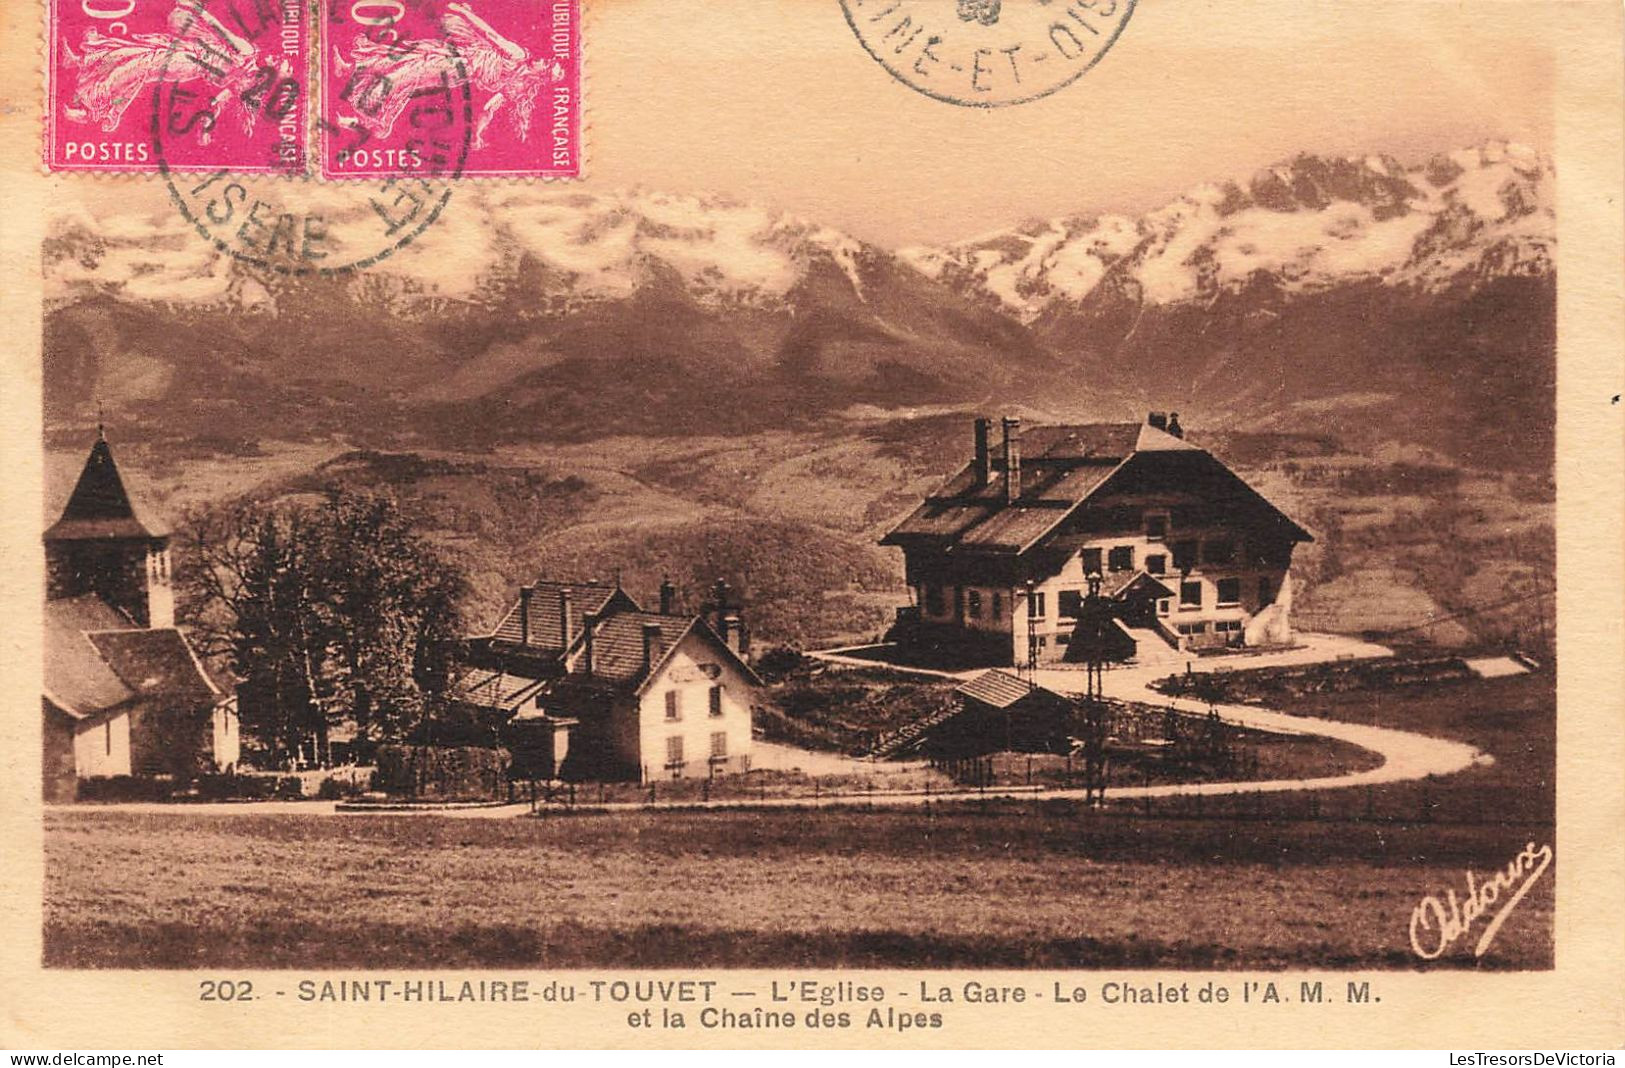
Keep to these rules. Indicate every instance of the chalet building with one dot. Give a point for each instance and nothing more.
(124, 692)
(585, 684)
(1187, 555)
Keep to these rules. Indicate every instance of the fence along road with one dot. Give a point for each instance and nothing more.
(1406, 756)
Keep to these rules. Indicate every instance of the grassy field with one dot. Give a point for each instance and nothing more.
(1019, 885)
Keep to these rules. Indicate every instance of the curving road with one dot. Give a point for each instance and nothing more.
(1405, 754)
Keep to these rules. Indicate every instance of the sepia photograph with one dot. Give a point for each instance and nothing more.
(532, 487)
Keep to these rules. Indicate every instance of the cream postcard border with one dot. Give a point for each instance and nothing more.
(1579, 1004)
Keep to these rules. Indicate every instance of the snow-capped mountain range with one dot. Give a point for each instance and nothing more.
(592, 246)
(537, 310)
(1310, 224)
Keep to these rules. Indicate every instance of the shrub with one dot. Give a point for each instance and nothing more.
(124, 788)
(231, 787)
(780, 662)
(446, 773)
(336, 788)
(249, 788)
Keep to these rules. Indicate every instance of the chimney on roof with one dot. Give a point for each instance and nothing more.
(589, 624)
(567, 623)
(652, 650)
(668, 597)
(719, 601)
(1158, 420)
(1173, 425)
(733, 632)
(984, 460)
(1012, 458)
(525, 594)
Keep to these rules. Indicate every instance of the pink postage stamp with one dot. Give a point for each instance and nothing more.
(142, 86)
(475, 88)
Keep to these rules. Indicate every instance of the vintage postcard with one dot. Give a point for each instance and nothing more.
(788, 523)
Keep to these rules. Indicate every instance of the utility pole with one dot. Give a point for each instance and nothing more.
(1094, 700)
(1032, 632)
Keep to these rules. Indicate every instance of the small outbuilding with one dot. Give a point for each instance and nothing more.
(1001, 711)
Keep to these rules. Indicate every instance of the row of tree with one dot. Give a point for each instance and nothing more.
(327, 611)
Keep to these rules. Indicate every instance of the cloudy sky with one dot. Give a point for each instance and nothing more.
(775, 101)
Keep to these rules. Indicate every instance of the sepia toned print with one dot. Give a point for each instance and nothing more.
(1150, 635)
(1100, 596)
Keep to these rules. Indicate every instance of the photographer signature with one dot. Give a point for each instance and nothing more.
(1435, 924)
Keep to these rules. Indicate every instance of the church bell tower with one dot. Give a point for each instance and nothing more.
(99, 546)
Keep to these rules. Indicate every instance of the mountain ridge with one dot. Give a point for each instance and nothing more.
(563, 314)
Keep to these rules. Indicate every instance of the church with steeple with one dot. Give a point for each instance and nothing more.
(100, 547)
(125, 694)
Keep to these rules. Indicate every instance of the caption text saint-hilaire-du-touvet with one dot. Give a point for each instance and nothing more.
(792, 1003)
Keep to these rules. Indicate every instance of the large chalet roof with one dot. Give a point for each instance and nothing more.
(1061, 468)
(95, 660)
(99, 507)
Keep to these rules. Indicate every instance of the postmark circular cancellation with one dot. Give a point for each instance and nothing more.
(987, 53)
(290, 225)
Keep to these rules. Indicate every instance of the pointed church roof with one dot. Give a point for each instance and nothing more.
(99, 507)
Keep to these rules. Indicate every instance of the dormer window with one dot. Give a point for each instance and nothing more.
(1156, 526)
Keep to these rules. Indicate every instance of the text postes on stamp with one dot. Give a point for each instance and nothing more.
(987, 53)
(192, 85)
(515, 63)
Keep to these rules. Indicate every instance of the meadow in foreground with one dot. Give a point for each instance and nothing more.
(1017, 885)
